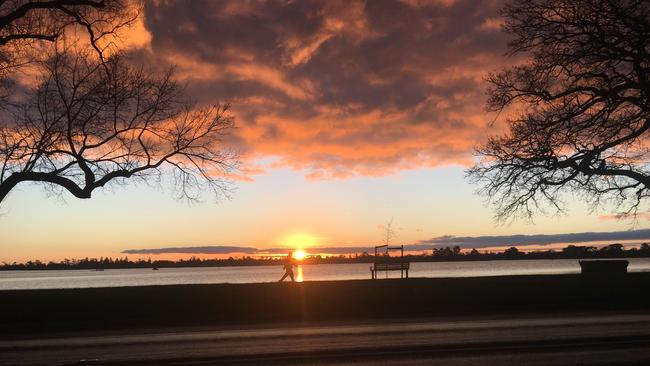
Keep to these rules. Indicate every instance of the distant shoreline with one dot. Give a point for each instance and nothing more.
(455, 254)
(278, 263)
(308, 264)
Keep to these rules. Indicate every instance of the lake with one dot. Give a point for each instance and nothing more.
(11, 280)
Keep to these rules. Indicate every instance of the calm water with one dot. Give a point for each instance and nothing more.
(318, 272)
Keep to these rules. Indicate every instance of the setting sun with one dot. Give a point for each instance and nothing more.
(299, 254)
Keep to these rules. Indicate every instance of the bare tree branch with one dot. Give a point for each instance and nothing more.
(83, 128)
(25, 25)
(584, 112)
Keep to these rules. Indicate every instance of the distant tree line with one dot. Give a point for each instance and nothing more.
(447, 254)
(570, 252)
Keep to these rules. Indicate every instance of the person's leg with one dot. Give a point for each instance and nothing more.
(285, 276)
(291, 276)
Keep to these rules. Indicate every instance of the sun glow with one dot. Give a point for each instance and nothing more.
(300, 241)
(299, 254)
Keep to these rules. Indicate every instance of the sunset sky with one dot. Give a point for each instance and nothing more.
(349, 113)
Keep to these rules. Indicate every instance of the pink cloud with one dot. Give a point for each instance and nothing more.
(617, 217)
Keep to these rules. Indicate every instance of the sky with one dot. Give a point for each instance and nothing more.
(349, 114)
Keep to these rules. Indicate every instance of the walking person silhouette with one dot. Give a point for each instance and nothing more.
(288, 267)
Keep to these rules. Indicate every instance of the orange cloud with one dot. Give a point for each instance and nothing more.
(270, 77)
(340, 89)
(492, 24)
(428, 3)
(339, 18)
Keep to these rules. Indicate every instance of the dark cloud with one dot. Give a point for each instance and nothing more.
(540, 239)
(441, 241)
(371, 87)
(346, 250)
(248, 250)
(193, 250)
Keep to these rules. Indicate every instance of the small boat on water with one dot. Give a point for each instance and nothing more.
(99, 269)
(154, 269)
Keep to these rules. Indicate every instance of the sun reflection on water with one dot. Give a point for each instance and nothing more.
(299, 273)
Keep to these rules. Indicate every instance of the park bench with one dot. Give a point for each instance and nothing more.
(390, 266)
(384, 263)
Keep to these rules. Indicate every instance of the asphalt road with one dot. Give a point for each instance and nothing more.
(593, 339)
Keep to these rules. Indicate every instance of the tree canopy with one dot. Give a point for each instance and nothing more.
(577, 108)
(94, 117)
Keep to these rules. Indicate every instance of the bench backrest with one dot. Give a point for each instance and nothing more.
(391, 266)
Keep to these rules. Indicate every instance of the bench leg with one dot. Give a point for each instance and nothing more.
(407, 273)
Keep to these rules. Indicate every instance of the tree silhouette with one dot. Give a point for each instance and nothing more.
(87, 124)
(577, 109)
(389, 233)
(29, 20)
(25, 25)
(95, 119)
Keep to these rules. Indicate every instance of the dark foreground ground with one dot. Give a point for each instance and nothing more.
(517, 320)
(104, 309)
(593, 339)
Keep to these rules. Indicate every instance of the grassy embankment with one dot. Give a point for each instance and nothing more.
(30, 311)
